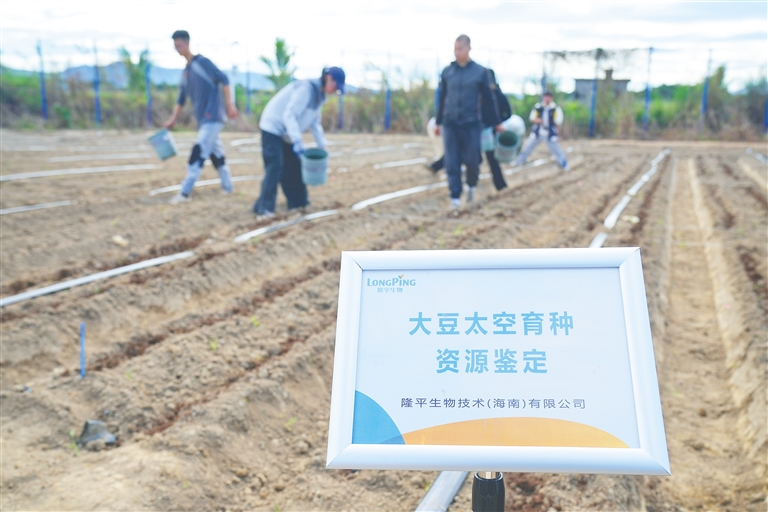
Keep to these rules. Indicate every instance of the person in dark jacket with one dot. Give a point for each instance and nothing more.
(464, 85)
(504, 112)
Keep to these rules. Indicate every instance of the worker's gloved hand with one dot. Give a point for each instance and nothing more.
(298, 148)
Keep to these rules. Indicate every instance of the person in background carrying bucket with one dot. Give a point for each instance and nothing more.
(293, 110)
(462, 85)
(201, 82)
(504, 113)
(546, 117)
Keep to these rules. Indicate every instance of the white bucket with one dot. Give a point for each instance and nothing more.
(314, 166)
(164, 144)
(486, 139)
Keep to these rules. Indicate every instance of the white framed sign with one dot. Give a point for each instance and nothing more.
(535, 360)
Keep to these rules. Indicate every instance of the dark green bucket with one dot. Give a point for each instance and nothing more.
(507, 144)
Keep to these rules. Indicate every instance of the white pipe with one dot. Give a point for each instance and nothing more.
(442, 491)
(81, 158)
(41, 206)
(243, 142)
(378, 149)
(202, 183)
(31, 294)
(599, 240)
(612, 217)
(400, 163)
(84, 170)
(275, 227)
(394, 195)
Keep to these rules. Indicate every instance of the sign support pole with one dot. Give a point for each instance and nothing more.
(488, 491)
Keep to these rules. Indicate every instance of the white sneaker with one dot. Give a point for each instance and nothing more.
(179, 198)
(266, 215)
(470, 194)
(455, 204)
(226, 192)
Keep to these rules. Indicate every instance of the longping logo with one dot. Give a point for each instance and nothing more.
(399, 281)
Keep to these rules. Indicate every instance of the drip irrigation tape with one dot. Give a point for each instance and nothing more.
(243, 142)
(599, 240)
(65, 285)
(275, 227)
(202, 183)
(394, 195)
(41, 206)
(83, 158)
(442, 491)
(400, 163)
(84, 170)
(378, 149)
(613, 217)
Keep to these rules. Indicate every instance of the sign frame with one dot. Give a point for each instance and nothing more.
(651, 458)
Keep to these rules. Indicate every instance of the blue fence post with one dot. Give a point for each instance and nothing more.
(437, 94)
(647, 93)
(592, 107)
(705, 94)
(43, 96)
(96, 97)
(765, 115)
(148, 85)
(340, 124)
(82, 350)
(387, 113)
(248, 89)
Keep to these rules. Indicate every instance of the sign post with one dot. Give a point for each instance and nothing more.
(527, 360)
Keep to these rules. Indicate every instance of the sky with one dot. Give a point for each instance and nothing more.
(407, 41)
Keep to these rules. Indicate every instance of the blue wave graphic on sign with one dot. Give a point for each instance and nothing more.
(372, 424)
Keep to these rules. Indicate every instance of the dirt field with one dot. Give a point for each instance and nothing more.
(215, 371)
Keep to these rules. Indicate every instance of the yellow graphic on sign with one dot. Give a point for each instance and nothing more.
(515, 432)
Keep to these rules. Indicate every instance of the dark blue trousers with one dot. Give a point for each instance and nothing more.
(281, 165)
(462, 146)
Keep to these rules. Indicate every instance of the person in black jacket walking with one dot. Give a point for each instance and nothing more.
(464, 86)
(504, 112)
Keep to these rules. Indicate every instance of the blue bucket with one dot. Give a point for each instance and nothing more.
(486, 139)
(507, 144)
(314, 166)
(164, 145)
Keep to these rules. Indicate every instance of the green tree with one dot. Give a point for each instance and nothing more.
(136, 72)
(280, 72)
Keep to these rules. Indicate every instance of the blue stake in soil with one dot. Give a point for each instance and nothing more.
(43, 98)
(82, 350)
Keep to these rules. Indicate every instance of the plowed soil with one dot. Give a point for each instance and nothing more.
(214, 372)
